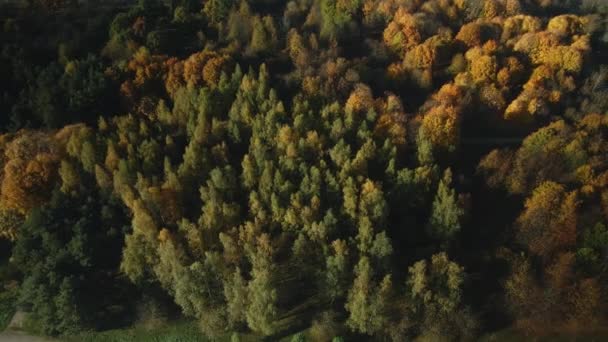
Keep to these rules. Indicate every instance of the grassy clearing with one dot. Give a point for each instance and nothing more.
(176, 332)
(181, 331)
(511, 335)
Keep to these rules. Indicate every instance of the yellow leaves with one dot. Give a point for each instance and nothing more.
(539, 77)
(420, 57)
(586, 299)
(164, 235)
(104, 180)
(193, 69)
(518, 25)
(565, 58)
(203, 66)
(10, 221)
(522, 290)
(402, 33)
(536, 45)
(368, 188)
(566, 25)
(174, 78)
(392, 122)
(70, 178)
(441, 120)
(593, 122)
(545, 87)
(581, 43)
(396, 72)
(146, 66)
(213, 69)
(512, 72)
(31, 165)
(314, 142)
(365, 153)
(496, 167)
(297, 50)
(200, 69)
(311, 85)
(573, 303)
(513, 7)
(441, 125)
(112, 158)
(143, 222)
(545, 48)
(379, 10)
(483, 68)
(146, 69)
(471, 34)
(549, 220)
(567, 221)
(449, 94)
(340, 247)
(286, 135)
(360, 100)
(492, 8)
(492, 97)
(393, 127)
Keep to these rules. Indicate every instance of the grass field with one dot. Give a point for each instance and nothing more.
(188, 331)
(182, 331)
(510, 335)
(177, 332)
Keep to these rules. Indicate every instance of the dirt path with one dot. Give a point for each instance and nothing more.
(13, 333)
(16, 336)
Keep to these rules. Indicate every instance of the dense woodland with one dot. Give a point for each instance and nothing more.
(364, 169)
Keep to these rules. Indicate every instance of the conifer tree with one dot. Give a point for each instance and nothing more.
(446, 215)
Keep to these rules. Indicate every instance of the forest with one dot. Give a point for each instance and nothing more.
(341, 170)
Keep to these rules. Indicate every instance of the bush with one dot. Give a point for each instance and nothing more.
(324, 328)
(8, 301)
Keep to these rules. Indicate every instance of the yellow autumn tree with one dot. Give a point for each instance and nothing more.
(403, 32)
(548, 223)
(32, 161)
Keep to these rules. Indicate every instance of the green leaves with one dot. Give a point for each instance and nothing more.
(368, 301)
(63, 251)
(445, 220)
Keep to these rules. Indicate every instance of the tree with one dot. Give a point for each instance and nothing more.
(68, 249)
(403, 32)
(70, 177)
(10, 221)
(263, 37)
(235, 291)
(425, 148)
(88, 156)
(446, 215)
(30, 170)
(88, 91)
(262, 311)
(549, 221)
(336, 15)
(435, 293)
(217, 10)
(368, 302)
(336, 278)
